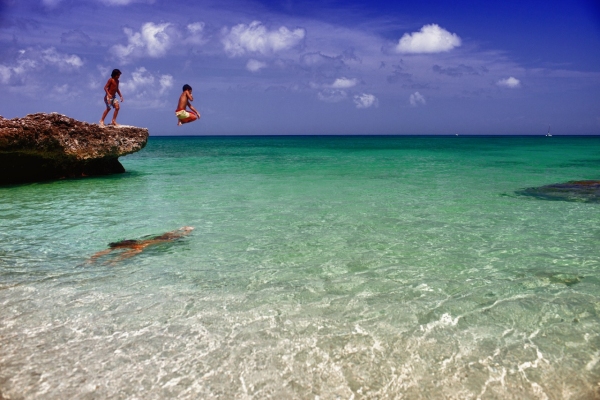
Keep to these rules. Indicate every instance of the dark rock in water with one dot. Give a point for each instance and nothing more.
(581, 191)
(560, 278)
(43, 147)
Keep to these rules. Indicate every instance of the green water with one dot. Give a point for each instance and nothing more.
(319, 268)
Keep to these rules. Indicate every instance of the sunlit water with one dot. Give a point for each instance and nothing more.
(320, 268)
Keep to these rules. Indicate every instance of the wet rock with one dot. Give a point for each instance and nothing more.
(41, 147)
(565, 280)
(581, 191)
(561, 278)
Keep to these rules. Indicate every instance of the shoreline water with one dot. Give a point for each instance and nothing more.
(369, 270)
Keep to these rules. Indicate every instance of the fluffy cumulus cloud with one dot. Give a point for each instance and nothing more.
(145, 89)
(344, 83)
(416, 99)
(35, 59)
(511, 83)
(152, 40)
(365, 100)
(254, 65)
(430, 39)
(60, 60)
(256, 38)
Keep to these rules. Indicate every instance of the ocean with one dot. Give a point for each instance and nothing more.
(350, 267)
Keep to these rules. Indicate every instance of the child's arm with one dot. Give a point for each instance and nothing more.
(193, 109)
(120, 95)
(107, 86)
(191, 98)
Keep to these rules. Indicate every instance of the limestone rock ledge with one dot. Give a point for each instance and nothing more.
(40, 147)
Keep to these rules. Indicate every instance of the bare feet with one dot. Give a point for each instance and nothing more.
(114, 123)
(101, 124)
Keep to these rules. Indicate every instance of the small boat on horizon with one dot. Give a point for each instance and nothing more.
(548, 134)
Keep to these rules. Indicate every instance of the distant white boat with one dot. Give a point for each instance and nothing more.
(548, 134)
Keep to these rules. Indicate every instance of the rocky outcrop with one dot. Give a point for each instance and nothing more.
(580, 191)
(43, 147)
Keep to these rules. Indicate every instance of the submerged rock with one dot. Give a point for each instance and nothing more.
(43, 147)
(581, 191)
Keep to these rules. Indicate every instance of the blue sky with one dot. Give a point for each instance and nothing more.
(309, 67)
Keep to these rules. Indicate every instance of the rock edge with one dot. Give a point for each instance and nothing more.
(41, 147)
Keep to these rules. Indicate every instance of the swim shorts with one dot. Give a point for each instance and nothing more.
(182, 114)
(110, 103)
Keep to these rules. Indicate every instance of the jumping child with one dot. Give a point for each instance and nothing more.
(110, 99)
(182, 114)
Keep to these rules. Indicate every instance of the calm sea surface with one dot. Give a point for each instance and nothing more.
(319, 268)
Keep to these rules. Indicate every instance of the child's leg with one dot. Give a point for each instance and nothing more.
(114, 118)
(191, 118)
(104, 116)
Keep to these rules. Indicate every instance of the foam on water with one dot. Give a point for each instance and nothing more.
(318, 268)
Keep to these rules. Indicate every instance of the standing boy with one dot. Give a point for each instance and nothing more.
(110, 99)
(183, 115)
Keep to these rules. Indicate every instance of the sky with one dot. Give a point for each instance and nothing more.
(310, 67)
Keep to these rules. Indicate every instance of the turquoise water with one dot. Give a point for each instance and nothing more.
(319, 268)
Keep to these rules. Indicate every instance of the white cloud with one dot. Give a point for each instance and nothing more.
(35, 59)
(166, 82)
(430, 39)
(332, 95)
(5, 73)
(365, 100)
(153, 40)
(255, 65)
(255, 38)
(416, 98)
(344, 83)
(195, 33)
(145, 90)
(510, 82)
(61, 60)
(196, 27)
(140, 78)
(61, 90)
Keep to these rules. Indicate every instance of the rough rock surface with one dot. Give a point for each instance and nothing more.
(42, 147)
(581, 191)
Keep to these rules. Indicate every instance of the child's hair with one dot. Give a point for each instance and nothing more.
(115, 73)
(186, 87)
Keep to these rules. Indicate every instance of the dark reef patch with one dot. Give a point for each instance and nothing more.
(579, 191)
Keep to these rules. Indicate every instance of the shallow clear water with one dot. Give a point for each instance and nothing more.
(319, 267)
